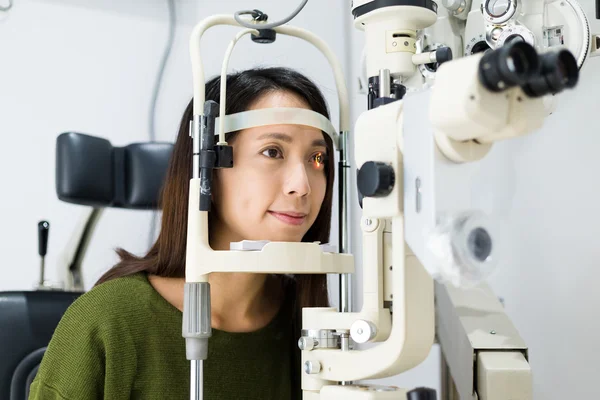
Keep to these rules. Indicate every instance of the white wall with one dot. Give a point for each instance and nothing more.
(75, 66)
(544, 189)
(89, 66)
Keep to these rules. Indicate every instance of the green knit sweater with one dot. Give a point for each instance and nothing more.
(122, 340)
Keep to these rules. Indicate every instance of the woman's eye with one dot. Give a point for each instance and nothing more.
(319, 160)
(272, 153)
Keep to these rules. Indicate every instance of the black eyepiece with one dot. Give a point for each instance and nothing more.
(558, 71)
(510, 65)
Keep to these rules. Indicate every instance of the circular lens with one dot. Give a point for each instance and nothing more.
(517, 62)
(558, 71)
(514, 38)
(480, 244)
(510, 65)
(496, 32)
(567, 67)
(519, 58)
(480, 47)
(497, 8)
(562, 71)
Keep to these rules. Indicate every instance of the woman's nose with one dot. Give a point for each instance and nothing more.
(297, 182)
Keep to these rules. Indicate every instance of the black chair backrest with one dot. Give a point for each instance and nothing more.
(92, 172)
(27, 322)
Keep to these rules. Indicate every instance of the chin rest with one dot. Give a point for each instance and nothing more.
(90, 171)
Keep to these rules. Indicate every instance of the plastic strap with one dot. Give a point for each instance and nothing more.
(276, 116)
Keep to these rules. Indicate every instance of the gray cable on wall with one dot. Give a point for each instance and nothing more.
(161, 71)
(157, 85)
(7, 7)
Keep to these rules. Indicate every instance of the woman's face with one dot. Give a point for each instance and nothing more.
(277, 184)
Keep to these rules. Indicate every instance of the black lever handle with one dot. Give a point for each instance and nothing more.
(43, 229)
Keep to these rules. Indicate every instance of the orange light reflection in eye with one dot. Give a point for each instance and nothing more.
(319, 160)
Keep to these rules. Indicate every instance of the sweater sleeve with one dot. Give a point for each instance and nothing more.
(73, 365)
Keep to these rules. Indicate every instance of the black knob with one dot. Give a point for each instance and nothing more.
(265, 36)
(376, 179)
(443, 54)
(421, 394)
(43, 228)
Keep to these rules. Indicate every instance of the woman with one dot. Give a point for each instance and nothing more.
(123, 338)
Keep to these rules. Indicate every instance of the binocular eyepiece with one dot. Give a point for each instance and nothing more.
(518, 64)
(558, 71)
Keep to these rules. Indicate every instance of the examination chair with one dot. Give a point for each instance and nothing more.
(93, 173)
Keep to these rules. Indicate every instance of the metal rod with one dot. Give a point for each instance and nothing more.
(444, 384)
(345, 346)
(345, 341)
(196, 132)
(448, 387)
(345, 304)
(196, 370)
(42, 270)
(196, 384)
(384, 83)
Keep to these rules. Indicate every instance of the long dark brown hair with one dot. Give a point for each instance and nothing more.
(167, 256)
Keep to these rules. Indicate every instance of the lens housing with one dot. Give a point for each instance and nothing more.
(558, 71)
(513, 64)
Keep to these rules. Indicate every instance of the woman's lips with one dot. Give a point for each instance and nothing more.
(297, 219)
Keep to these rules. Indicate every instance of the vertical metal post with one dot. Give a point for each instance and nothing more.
(196, 371)
(196, 132)
(345, 304)
(42, 271)
(384, 83)
(448, 388)
(196, 381)
(343, 220)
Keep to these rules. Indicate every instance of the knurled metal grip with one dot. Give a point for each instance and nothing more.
(318, 339)
(196, 319)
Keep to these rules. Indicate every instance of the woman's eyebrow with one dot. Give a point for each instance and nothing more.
(279, 136)
(288, 139)
(319, 142)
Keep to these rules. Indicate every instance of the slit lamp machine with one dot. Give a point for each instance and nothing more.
(443, 85)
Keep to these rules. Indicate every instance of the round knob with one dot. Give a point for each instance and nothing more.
(421, 394)
(312, 367)
(306, 343)
(376, 179)
(362, 331)
(452, 5)
(443, 54)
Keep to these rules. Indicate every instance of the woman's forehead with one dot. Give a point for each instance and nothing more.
(279, 98)
(289, 133)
